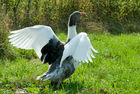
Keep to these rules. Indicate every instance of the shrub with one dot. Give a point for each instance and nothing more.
(55, 12)
(5, 50)
(121, 16)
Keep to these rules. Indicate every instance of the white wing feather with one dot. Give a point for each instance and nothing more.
(34, 37)
(79, 48)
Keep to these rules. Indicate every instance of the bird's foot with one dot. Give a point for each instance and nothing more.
(57, 86)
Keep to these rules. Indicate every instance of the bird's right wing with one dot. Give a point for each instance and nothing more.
(35, 37)
(80, 48)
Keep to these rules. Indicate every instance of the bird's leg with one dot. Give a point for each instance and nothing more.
(69, 82)
(58, 84)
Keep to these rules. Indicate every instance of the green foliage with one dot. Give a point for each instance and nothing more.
(5, 49)
(116, 67)
(103, 15)
(114, 70)
(116, 16)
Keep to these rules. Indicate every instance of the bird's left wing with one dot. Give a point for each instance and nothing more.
(80, 48)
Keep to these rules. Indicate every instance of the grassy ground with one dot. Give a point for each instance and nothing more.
(116, 69)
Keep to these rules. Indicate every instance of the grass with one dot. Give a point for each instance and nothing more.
(116, 69)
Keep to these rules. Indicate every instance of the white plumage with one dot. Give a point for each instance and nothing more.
(34, 37)
(37, 36)
(62, 57)
(79, 48)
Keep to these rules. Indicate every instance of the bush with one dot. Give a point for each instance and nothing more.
(121, 16)
(5, 50)
(55, 13)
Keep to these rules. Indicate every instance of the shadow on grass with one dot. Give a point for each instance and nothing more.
(71, 87)
(127, 27)
(67, 86)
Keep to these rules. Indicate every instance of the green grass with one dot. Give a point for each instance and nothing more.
(116, 69)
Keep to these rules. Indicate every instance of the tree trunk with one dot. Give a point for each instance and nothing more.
(28, 13)
(15, 13)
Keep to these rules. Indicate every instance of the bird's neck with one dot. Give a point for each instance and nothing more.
(71, 32)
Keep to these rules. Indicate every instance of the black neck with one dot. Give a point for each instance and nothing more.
(72, 21)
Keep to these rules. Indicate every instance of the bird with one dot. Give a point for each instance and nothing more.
(62, 57)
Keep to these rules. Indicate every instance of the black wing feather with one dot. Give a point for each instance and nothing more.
(51, 51)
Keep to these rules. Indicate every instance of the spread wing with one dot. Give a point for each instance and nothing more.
(79, 48)
(35, 37)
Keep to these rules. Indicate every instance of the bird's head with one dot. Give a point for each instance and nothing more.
(74, 17)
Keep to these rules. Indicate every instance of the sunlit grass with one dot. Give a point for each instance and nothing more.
(116, 69)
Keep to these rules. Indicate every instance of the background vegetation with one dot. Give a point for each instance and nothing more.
(117, 23)
(124, 14)
(121, 16)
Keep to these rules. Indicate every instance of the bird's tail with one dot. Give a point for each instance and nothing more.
(44, 77)
(41, 76)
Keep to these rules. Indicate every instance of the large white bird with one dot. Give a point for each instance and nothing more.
(63, 58)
